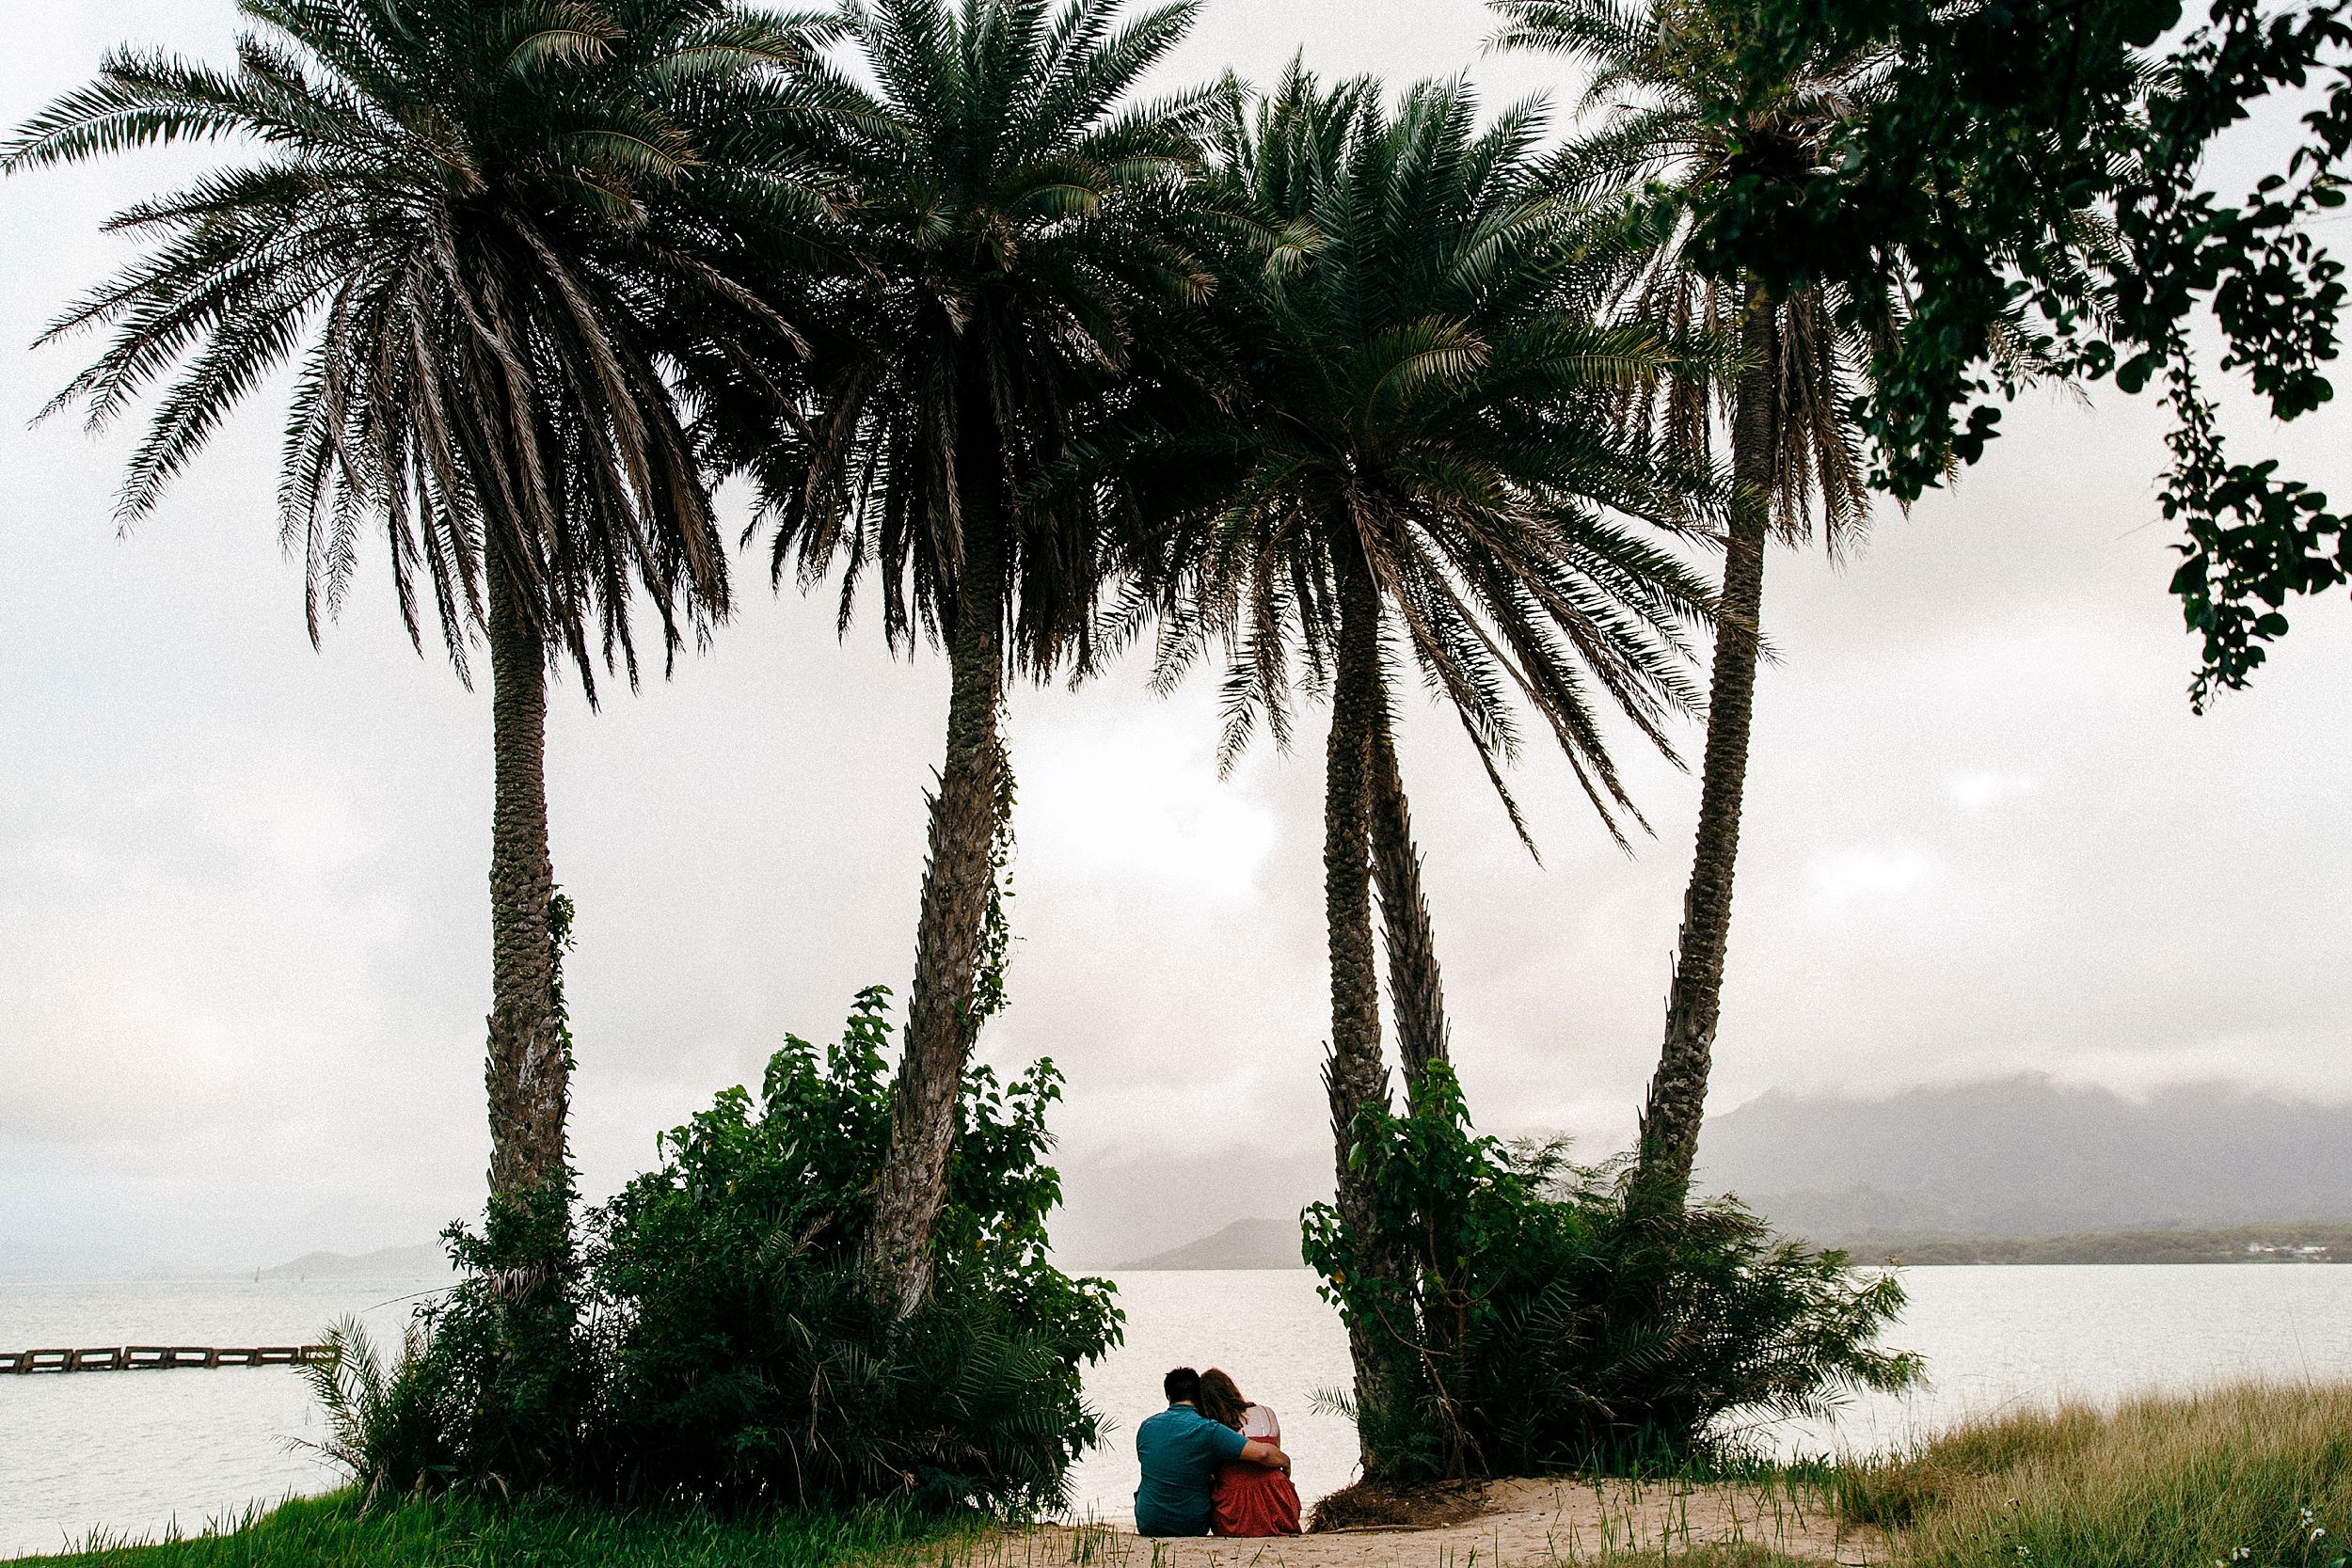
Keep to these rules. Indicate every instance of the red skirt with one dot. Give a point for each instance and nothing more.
(1251, 1499)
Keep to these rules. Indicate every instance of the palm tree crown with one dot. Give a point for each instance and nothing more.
(1420, 398)
(459, 222)
(1013, 235)
(1682, 121)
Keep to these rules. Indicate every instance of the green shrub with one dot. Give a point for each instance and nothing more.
(713, 1340)
(1547, 1325)
(742, 1357)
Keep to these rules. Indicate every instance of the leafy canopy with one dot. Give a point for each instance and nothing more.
(2028, 174)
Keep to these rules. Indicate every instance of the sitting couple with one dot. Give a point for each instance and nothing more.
(1213, 1463)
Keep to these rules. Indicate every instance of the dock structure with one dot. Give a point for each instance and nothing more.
(154, 1358)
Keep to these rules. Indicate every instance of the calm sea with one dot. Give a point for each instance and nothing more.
(133, 1454)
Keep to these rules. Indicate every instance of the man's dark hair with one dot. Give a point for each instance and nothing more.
(1182, 1385)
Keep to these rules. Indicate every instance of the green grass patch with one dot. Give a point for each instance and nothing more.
(2241, 1475)
(332, 1531)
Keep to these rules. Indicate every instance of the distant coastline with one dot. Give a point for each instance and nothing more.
(1266, 1243)
(2244, 1243)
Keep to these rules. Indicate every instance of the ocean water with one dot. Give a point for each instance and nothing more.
(135, 1453)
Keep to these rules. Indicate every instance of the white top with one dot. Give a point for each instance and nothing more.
(1259, 1425)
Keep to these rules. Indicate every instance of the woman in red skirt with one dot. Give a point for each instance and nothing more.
(1250, 1499)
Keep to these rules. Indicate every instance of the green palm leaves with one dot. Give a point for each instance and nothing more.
(1420, 391)
(1019, 244)
(460, 227)
(1682, 119)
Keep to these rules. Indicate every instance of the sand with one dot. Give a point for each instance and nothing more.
(1525, 1521)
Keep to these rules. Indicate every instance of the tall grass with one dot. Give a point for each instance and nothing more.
(461, 1532)
(2243, 1474)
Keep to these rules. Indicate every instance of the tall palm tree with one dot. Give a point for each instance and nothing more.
(1420, 456)
(1685, 119)
(1012, 228)
(473, 228)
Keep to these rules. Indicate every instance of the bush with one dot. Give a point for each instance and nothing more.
(1548, 1326)
(744, 1359)
(713, 1340)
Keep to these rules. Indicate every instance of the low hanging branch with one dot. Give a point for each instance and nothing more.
(2020, 194)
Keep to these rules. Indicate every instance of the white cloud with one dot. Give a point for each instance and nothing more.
(1869, 872)
(1974, 791)
(1141, 800)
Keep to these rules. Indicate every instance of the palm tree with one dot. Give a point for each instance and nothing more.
(1420, 454)
(474, 228)
(1012, 233)
(1686, 119)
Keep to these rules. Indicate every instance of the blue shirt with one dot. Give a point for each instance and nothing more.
(1180, 1448)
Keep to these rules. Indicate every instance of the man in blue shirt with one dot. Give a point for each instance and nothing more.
(1181, 1449)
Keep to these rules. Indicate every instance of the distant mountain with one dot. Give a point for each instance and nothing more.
(2028, 1156)
(1246, 1243)
(426, 1261)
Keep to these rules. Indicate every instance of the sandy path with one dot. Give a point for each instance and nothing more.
(1526, 1522)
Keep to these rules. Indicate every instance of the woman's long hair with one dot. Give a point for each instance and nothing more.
(1221, 1399)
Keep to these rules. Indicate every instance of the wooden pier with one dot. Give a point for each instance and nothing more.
(156, 1358)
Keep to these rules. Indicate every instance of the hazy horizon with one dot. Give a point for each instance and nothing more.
(241, 882)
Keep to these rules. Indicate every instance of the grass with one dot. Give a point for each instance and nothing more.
(2242, 1474)
(455, 1532)
(2222, 1477)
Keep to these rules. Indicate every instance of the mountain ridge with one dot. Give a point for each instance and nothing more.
(2028, 1155)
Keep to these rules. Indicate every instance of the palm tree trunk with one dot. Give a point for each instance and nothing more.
(1677, 1092)
(1354, 1076)
(1416, 989)
(947, 941)
(529, 1072)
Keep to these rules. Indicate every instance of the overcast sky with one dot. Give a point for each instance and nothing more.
(244, 955)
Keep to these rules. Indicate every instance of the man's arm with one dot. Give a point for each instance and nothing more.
(1267, 1455)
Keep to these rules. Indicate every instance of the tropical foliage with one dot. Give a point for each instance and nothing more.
(745, 1358)
(1557, 1326)
(725, 1347)
(469, 229)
